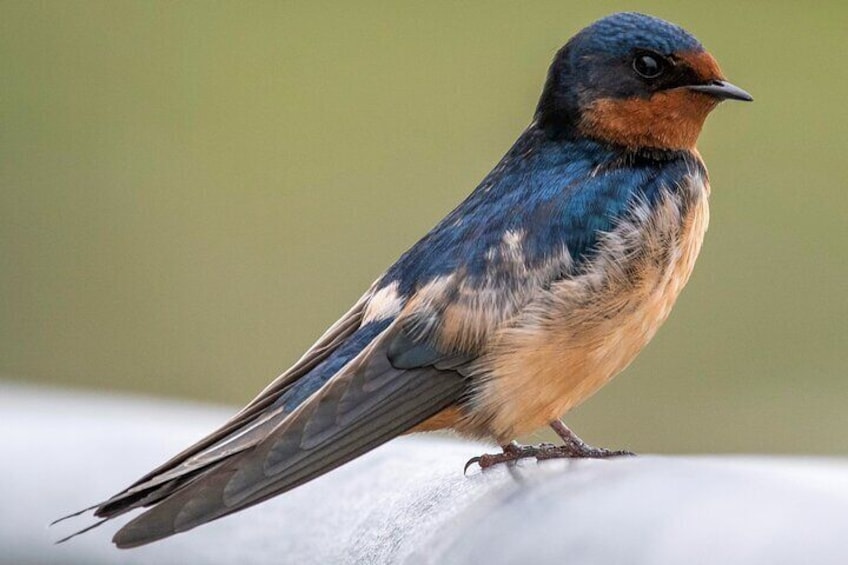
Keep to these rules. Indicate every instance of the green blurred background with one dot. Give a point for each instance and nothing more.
(191, 192)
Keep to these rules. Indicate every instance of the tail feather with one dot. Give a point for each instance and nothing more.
(280, 462)
(362, 399)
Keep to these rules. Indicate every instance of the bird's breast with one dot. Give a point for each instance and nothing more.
(578, 334)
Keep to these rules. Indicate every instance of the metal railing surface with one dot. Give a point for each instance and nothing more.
(409, 502)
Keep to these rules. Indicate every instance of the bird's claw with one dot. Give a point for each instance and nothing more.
(471, 462)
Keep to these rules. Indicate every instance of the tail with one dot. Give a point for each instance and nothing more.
(365, 404)
(350, 416)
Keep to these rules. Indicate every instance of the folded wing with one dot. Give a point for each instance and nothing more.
(367, 403)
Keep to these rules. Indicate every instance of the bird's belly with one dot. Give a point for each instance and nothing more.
(587, 329)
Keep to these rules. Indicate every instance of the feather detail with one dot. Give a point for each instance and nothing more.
(573, 338)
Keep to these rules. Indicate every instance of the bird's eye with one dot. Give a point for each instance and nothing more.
(648, 66)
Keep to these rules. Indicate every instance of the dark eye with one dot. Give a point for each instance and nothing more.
(648, 66)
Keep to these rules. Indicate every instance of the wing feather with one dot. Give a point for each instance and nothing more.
(244, 430)
(367, 403)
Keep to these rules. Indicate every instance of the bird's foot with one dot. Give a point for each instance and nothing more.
(573, 448)
(511, 452)
(582, 452)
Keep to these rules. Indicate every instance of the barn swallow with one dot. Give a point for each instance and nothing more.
(526, 299)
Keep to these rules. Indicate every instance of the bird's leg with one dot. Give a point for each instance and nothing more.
(572, 447)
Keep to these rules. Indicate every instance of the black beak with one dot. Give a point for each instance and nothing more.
(722, 90)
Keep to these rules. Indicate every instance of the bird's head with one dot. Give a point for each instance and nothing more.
(636, 81)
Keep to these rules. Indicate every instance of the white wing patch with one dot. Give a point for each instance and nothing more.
(385, 303)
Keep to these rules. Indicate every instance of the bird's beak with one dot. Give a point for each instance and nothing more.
(722, 90)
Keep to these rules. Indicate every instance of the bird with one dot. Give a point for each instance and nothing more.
(528, 297)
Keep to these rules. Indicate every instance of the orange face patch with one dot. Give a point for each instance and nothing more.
(704, 65)
(669, 119)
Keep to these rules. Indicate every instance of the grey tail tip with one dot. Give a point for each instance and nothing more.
(73, 515)
(80, 532)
